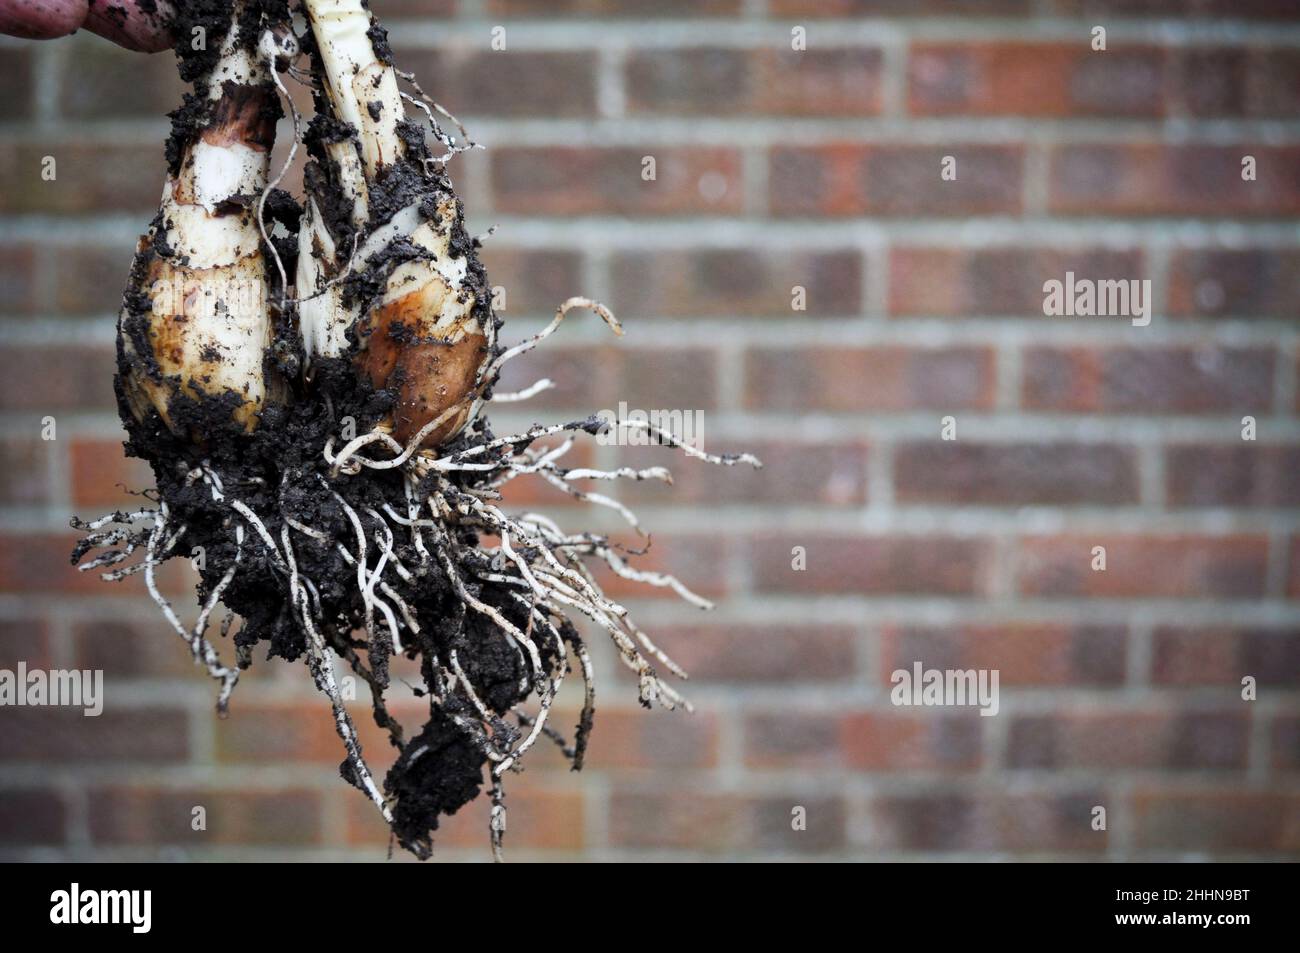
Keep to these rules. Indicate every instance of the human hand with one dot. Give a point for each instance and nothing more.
(135, 24)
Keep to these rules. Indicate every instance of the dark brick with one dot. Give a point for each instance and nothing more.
(871, 565)
(1151, 179)
(994, 281)
(1174, 380)
(737, 282)
(1220, 819)
(65, 735)
(854, 380)
(1249, 474)
(1171, 567)
(32, 818)
(1245, 283)
(1024, 654)
(594, 181)
(852, 179)
(506, 82)
(147, 816)
(1015, 474)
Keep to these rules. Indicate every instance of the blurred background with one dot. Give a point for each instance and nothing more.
(775, 170)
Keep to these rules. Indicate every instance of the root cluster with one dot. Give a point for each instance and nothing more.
(368, 549)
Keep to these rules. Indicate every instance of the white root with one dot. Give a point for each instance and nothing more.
(492, 369)
(322, 667)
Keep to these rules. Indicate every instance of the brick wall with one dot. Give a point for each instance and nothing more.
(775, 169)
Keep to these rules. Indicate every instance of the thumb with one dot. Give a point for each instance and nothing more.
(142, 25)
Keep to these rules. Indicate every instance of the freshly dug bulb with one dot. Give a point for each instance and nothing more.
(406, 281)
(195, 321)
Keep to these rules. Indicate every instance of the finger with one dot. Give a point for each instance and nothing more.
(135, 24)
(142, 25)
(41, 19)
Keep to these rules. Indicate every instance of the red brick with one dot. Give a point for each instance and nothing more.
(715, 653)
(143, 816)
(1028, 654)
(18, 280)
(1177, 8)
(1022, 821)
(831, 474)
(32, 818)
(536, 281)
(1019, 474)
(855, 380)
(697, 80)
(1240, 283)
(737, 282)
(851, 8)
(792, 739)
(604, 181)
(652, 377)
(1285, 742)
(103, 477)
(16, 80)
(820, 81)
(507, 82)
(1147, 740)
(24, 640)
(872, 565)
(1210, 81)
(43, 380)
(1151, 179)
(583, 375)
(853, 179)
(615, 8)
(33, 563)
(635, 739)
(1219, 819)
(91, 177)
(589, 379)
(912, 741)
(698, 561)
(1275, 83)
(386, 9)
(1171, 567)
(147, 648)
(279, 733)
(24, 471)
(1293, 579)
(64, 735)
(1036, 79)
(687, 821)
(951, 282)
(712, 822)
(1224, 655)
(1166, 380)
(104, 81)
(1248, 474)
(89, 280)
